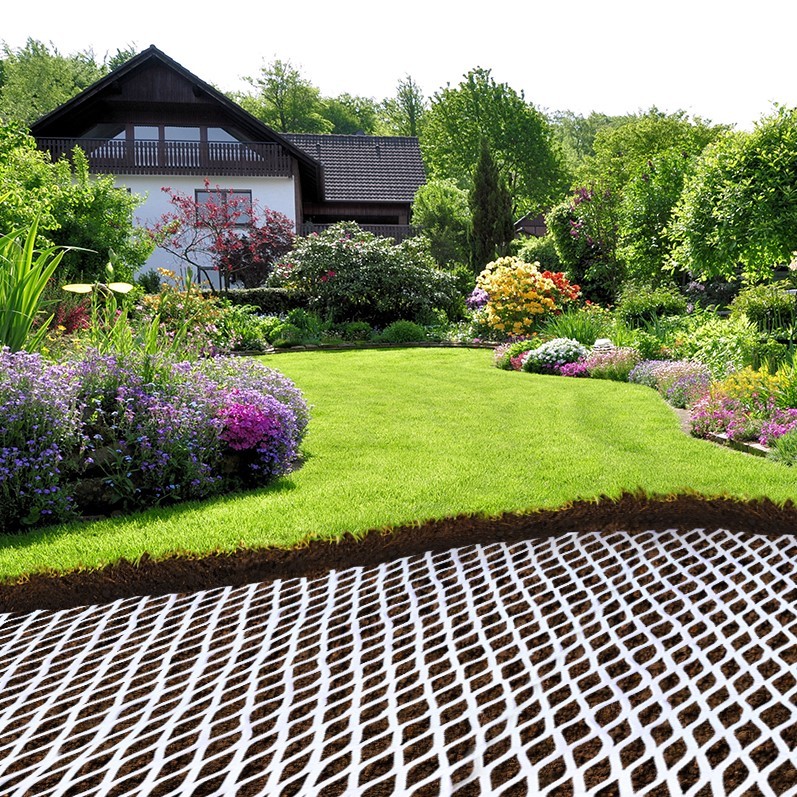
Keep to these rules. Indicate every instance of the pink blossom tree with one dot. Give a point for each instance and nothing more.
(225, 232)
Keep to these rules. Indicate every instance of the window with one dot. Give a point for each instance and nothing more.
(238, 201)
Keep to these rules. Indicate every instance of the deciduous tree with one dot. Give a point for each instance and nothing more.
(226, 234)
(519, 138)
(740, 206)
(37, 79)
(285, 100)
(404, 113)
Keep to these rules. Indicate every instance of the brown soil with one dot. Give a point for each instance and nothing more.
(180, 575)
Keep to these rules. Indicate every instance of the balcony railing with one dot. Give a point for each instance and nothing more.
(255, 158)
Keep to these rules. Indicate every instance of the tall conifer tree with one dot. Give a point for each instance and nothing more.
(491, 206)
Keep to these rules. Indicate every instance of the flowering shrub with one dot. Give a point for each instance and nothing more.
(720, 414)
(520, 297)
(578, 368)
(781, 422)
(551, 356)
(236, 374)
(744, 406)
(613, 364)
(112, 431)
(348, 274)
(40, 426)
(477, 299)
(680, 382)
(509, 356)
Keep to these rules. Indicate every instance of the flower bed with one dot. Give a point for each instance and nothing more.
(109, 432)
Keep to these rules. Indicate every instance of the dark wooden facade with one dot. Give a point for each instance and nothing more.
(155, 95)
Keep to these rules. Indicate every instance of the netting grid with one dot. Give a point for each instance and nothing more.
(656, 663)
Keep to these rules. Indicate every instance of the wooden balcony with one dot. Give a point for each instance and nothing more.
(239, 159)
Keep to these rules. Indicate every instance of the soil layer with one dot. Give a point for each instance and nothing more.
(182, 574)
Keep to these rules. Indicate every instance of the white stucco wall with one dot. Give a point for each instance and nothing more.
(275, 193)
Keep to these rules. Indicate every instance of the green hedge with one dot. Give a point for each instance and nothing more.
(270, 301)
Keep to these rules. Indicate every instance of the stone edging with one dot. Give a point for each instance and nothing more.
(748, 448)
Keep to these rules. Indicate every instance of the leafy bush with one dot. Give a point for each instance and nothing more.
(784, 448)
(615, 364)
(550, 356)
(540, 250)
(640, 305)
(149, 281)
(270, 301)
(723, 345)
(521, 297)
(440, 209)
(348, 274)
(285, 335)
(509, 356)
(356, 331)
(768, 307)
(402, 332)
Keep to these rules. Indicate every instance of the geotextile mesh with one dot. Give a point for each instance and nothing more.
(650, 663)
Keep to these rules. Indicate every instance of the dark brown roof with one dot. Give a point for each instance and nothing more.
(365, 168)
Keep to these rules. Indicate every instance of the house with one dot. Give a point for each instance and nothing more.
(152, 123)
(532, 225)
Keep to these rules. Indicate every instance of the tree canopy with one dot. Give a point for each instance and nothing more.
(520, 139)
(739, 208)
(73, 208)
(285, 100)
(37, 78)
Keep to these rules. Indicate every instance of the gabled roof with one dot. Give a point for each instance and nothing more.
(365, 168)
(92, 103)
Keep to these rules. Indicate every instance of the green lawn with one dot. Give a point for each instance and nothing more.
(406, 435)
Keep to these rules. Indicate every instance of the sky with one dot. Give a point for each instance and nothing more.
(722, 60)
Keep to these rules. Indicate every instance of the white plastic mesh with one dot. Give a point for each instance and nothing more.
(587, 664)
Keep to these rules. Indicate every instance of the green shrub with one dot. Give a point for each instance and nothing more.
(402, 332)
(649, 346)
(784, 448)
(540, 250)
(351, 275)
(769, 354)
(149, 281)
(356, 331)
(285, 335)
(724, 345)
(308, 322)
(768, 307)
(268, 324)
(641, 305)
(271, 301)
